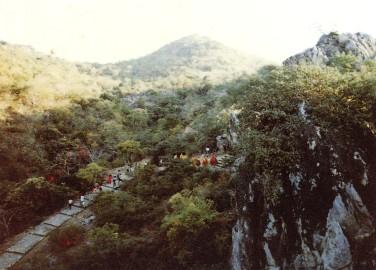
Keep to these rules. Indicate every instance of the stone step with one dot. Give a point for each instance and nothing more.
(57, 220)
(7, 259)
(108, 188)
(25, 243)
(72, 211)
(42, 229)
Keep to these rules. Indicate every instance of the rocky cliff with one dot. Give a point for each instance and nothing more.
(333, 44)
(305, 175)
(324, 218)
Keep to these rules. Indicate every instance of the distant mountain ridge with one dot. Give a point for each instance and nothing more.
(182, 63)
(361, 45)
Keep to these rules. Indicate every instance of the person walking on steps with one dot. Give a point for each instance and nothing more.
(114, 182)
(82, 200)
(70, 203)
(109, 180)
(205, 162)
(119, 177)
(213, 160)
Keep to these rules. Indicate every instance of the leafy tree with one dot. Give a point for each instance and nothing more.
(189, 218)
(91, 172)
(124, 209)
(136, 119)
(130, 149)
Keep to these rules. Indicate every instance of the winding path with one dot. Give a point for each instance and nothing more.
(27, 240)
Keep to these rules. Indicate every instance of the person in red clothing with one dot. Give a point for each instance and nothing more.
(213, 160)
(109, 180)
(50, 178)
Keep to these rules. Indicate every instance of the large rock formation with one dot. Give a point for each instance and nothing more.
(323, 220)
(333, 44)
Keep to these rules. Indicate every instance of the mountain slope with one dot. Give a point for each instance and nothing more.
(32, 81)
(183, 63)
(361, 45)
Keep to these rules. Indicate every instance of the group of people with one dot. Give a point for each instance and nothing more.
(181, 156)
(82, 201)
(205, 160)
(112, 179)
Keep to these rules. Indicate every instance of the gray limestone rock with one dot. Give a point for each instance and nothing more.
(351, 213)
(336, 254)
(222, 142)
(360, 45)
(232, 129)
(239, 258)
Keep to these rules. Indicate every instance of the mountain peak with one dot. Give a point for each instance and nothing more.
(190, 58)
(361, 45)
(194, 37)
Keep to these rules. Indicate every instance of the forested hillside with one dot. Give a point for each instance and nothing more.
(32, 82)
(57, 119)
(294, 192)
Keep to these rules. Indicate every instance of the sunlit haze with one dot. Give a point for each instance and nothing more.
(114, 30)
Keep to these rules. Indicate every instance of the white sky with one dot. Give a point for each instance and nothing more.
(114, 30)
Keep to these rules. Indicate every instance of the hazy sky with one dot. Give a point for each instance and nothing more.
(114, 30)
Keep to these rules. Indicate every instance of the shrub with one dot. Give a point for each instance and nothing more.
(66, 237)
(126, 210)
(37, 196)
(193, 231)
(131, 150)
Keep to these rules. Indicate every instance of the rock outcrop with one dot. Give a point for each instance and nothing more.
(333, 44)
(324, 218)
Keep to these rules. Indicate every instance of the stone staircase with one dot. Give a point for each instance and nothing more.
(224, 161)
(27, 240)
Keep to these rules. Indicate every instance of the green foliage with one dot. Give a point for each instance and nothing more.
(124, 209)
(31, 201)
(109, 249)
(203, 89)
(345, 62)
(334, 34)
(192, 232)
(105, 238)
(342, 104)
(91, 173)
(149, 185)
(73, 139)
(189, 213)
(137, 119)
(37, 196)
(131, 150)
